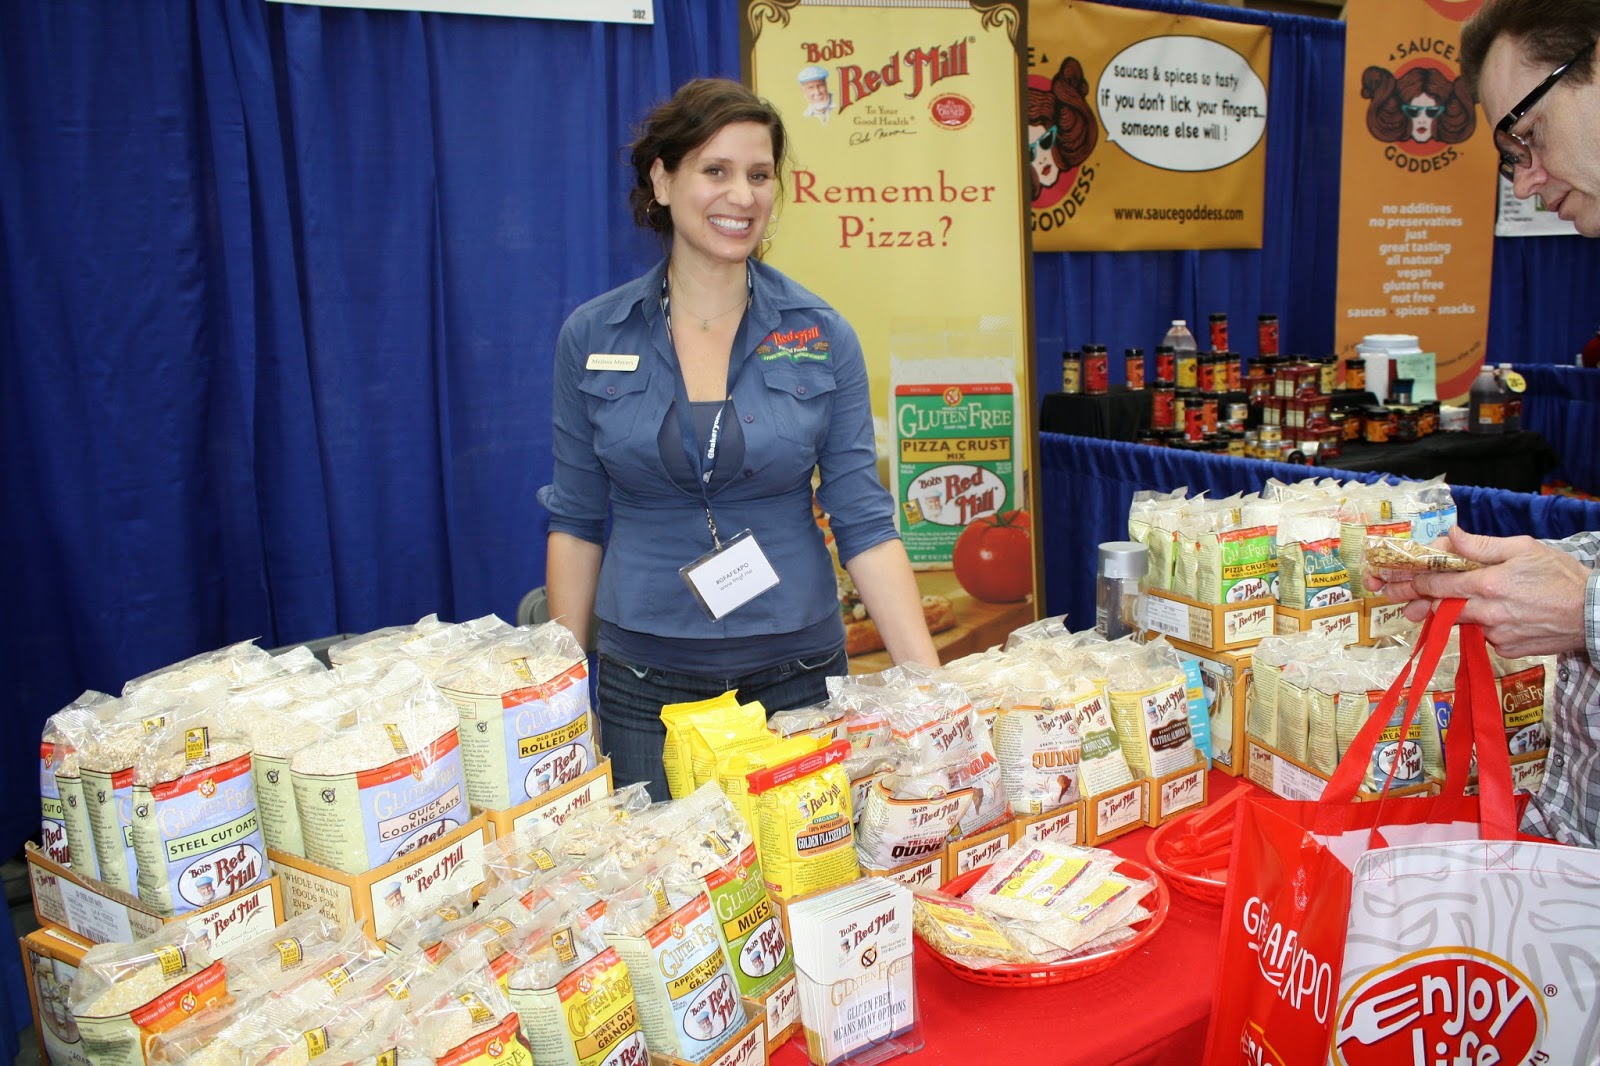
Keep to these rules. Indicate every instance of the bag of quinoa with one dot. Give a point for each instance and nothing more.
(126, 993)
(1036, 739)
(525, 724)
(196, 831)
(386, 785)
(65, 835)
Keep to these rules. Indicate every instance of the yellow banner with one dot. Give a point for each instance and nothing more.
(1145, 130)
(904, 208)
(1417, 188)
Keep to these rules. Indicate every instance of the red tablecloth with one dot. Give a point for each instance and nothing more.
(1151, 1007)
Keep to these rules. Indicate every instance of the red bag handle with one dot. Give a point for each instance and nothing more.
(1346, 779)
(1477, 696)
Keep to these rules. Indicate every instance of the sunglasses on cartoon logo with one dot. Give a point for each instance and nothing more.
(1046, 141)
(1414, 110)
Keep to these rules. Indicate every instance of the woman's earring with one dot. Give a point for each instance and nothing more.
(772, 231)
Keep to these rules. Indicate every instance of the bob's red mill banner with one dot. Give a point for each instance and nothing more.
(1145, 130)
(1417, 188)
(904, 207)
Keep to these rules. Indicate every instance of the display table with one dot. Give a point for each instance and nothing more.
(1150, 1008)
(1517, 462)
(1117, 415)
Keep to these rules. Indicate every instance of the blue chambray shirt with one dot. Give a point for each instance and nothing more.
(797, 412)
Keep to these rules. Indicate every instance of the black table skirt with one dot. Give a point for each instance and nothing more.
(1118, 415)
(1516, 461)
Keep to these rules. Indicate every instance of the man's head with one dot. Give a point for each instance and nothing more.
(814, 86)
(1509, 50)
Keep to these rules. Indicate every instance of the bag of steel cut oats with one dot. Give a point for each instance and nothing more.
(125, 992)
(66, 836)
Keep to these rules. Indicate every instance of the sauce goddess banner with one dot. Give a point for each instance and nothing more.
(1145, 130)
(903, 208)
(1417, 188)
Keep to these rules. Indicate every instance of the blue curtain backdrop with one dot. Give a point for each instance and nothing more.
(278, 287)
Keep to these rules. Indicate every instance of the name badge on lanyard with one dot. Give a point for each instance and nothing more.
(726, 578)
(735, 571)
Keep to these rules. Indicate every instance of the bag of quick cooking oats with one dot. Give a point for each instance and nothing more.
(388, 784)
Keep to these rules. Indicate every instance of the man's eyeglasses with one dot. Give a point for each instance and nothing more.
(1514, 151)
(1046, 141)
(1418, 110)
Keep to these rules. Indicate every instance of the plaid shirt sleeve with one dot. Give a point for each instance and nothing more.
(1567, 807)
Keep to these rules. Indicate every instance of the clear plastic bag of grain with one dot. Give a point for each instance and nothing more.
(111, 745)
(387, 785)
(574, 997)
(1267, 662)
(1161, 537)
(1149, 696)
(981, 676)
(383, 645)
(1038, 880)
(525, 724)
(1367, 513)
(688, 1000)
(1328, 679)
(823, 721)
(459, 1014)
(1428, 505)
(65, 834)
(1045, 629)
(1036, 738)
(421, 922)
(232, 667)
(196, 830)
(281, 719)
(123, 993)
(1311, 573)
(955, 928)
(255, 966)
(1371, 672)
(941, 743)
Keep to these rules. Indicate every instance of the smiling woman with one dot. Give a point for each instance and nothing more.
(694, 408)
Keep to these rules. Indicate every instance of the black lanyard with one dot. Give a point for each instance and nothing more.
(704, 464)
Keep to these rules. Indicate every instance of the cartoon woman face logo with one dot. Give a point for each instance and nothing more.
(1423, 111)
(1420, 109)
(1062, 130)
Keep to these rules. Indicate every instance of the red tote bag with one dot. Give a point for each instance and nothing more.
(1287, 909)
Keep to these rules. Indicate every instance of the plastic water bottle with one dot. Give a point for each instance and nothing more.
(1184, 350)
(1486, 405)
(1180, 338)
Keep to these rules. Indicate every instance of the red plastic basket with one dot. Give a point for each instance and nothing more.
(1021, 975)
(1163, 845)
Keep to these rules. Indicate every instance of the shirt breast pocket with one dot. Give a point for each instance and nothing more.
(617, 403)
(802, 403)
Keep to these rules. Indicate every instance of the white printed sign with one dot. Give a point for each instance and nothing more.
(640, 12)
(1182, 103)
(1528, 218)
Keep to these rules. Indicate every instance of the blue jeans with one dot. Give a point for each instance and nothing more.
(628, 702)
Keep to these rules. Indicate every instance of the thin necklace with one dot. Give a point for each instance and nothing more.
(706, 320)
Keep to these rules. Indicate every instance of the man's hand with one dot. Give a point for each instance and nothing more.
(1528, 597)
